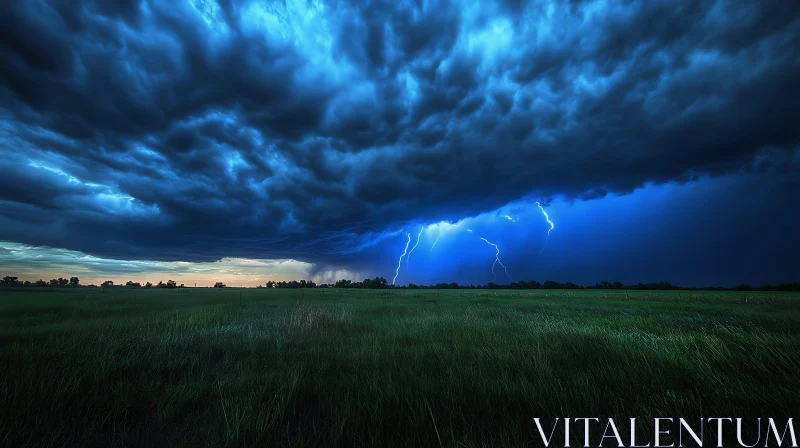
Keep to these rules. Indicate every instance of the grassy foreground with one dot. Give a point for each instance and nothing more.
(197, 367)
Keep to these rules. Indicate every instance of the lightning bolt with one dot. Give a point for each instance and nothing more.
(415, 245)
(407, 252)
(552, 226)
(496, 259)
(397, 272)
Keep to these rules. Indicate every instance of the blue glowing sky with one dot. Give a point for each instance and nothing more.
(247, 141)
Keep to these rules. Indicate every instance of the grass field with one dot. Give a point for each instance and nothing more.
(258, 367)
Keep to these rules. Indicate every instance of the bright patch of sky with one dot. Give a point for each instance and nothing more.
(34, 262)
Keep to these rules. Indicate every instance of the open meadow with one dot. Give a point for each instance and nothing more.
(265, 367)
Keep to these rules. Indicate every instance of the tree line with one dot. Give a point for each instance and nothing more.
(56, 282)
(75, 282)
(374, 283)
(382, 283)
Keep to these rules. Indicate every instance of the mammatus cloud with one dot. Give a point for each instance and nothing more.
(201, 130)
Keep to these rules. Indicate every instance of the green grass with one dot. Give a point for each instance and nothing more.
(197, 367)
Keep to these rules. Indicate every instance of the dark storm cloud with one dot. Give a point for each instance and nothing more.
(198, 130)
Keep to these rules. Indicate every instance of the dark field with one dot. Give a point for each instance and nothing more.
(375, 368)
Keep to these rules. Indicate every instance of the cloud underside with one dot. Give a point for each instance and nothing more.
(194, 131)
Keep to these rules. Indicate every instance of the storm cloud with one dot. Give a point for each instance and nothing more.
(195, 131)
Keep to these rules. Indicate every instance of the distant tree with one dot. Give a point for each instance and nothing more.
(291, 284)
(653, 286)
(160, 284)
(41, 282)
(342, 284)
(74, 281)
(270, 284)
(132, 284)
(7, 280)
(148, 285)
(27, 283)
(53, 282)
(552, 284)
(171, 284)
(219, 285)
(107, 284)
(618, 285)
(788, 286)
(375, 283)
(605, 284)
(531, 284)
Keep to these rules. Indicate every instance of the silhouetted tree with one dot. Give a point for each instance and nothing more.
(8, 280)
(342, 284)
(552, 284)
(375, 283)
(380, 282)
(789, 286)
